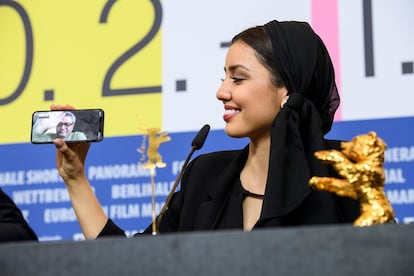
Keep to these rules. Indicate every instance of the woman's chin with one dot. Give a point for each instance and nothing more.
(233, 132)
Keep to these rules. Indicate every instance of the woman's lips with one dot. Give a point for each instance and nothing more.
(230, 113)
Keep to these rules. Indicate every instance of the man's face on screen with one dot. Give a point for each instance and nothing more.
(64, 127)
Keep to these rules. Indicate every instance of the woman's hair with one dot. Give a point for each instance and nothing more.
(257, 38)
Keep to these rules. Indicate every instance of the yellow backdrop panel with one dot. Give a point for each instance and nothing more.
(89, 54)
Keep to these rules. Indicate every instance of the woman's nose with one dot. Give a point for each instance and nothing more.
(223, 93)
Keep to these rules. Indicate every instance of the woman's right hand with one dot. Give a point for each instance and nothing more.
(70, 160)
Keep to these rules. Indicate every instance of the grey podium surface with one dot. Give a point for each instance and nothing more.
(316, 250)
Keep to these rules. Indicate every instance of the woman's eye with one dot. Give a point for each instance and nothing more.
(235, 79)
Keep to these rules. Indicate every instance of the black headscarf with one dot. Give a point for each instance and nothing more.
(305, 66)
(297, 131)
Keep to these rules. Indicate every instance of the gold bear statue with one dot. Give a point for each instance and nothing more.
(360, 164)
(154, 141)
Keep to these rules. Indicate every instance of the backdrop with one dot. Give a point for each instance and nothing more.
(149, 64)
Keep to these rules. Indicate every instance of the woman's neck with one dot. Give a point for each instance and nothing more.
(254, 174)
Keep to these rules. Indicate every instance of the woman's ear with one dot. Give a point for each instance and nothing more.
(283, 95)
(285, 99)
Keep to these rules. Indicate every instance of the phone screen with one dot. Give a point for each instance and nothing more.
(81, 125)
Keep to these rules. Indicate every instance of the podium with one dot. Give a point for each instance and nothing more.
(315, 250)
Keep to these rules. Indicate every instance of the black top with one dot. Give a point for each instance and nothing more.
(13, 226)
(232, 215)
(211, 197)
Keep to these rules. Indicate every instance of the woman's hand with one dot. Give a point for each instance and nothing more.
(70, 160)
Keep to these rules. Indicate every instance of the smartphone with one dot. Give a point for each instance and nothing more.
(73, 126)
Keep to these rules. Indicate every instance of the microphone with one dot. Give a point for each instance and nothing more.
(200, 138)
(196, 144)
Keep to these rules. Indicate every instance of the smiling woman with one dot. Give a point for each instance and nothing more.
(282, 97)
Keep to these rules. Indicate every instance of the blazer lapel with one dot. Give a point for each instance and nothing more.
(218, 192)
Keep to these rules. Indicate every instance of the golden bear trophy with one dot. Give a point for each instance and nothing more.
(155, 138)
(360, 166)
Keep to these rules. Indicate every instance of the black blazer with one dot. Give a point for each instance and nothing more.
(208, 180)
(13, 226)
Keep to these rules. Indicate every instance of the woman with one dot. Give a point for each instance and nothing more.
(279, 91)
